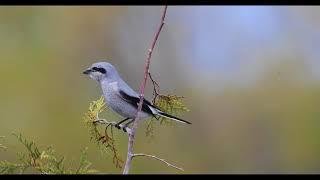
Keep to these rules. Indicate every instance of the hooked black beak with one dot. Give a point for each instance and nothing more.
(88, 71)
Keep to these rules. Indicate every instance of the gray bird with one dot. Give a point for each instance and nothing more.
(120, 97)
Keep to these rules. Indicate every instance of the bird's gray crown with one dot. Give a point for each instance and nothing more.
(107, 66)
(101, 70)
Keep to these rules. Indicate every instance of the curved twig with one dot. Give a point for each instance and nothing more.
(156, 89)
(162, 160)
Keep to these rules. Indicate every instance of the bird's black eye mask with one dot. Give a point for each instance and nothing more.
(102, 70)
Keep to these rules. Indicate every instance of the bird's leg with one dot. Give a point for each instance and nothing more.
(118, 124)
(126, 125)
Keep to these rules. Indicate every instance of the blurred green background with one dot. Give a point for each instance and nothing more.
(250, 76)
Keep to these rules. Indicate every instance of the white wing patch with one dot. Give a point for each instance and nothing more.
(154, 111)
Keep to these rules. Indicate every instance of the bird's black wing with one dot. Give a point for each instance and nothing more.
(134, 101)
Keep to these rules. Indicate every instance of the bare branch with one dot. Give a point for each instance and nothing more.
(142, 88)
(162, 160)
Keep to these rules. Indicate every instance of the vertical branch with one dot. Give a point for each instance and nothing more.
(132, 133)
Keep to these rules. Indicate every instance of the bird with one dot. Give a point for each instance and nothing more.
(121, 98)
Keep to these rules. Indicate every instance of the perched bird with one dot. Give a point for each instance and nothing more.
(121, 98)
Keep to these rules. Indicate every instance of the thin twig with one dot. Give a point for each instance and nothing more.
(108, 139)
(113, 123)
(156, 89)
(142, 88)
(162, 160)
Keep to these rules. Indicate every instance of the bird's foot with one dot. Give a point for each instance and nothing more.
(124, 128)
(117, 126)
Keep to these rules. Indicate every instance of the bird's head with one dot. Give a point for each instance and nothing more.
(101, 70)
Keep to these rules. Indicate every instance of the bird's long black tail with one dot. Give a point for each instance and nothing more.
(163, 114)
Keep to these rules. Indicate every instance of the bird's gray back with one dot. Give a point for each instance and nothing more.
(111, 89)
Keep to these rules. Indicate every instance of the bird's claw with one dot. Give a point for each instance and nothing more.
(124, 128)
(117, 126)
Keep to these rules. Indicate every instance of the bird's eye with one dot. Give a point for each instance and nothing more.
(101, 70)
